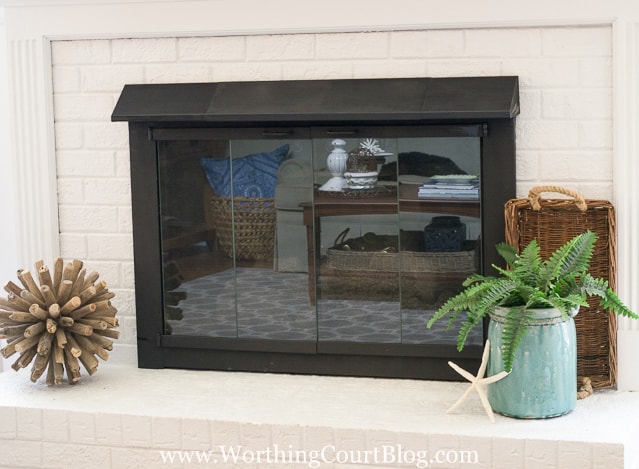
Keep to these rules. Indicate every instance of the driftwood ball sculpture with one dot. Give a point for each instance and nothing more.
(59, 322)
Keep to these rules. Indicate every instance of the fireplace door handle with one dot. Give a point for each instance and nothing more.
(276, 133)
(335, 132)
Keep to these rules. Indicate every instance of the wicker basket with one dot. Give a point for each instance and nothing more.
(553, 222)
(414, 290)
(421, 280)
(251, 219)
(406, 261)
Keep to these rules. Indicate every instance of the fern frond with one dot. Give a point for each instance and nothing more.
(454, 314)
(511, 274)
(508, 253)
(475, 278)
(599, 287)
(571, 258)
(499, 291)
(612, 303)
(458, 302)
(567, 285)
(593, 286)
(579, 256)
(465, 301)
(537, 300)
(566, 304)
(465, 328)
(514, 330)
(528, 267)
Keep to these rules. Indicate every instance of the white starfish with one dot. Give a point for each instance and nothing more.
(478, 383)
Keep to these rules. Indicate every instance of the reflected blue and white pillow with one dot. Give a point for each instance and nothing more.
(252, 175)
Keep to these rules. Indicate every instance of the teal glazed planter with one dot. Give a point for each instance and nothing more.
(543, 381)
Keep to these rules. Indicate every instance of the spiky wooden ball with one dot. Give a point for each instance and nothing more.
(66, 320)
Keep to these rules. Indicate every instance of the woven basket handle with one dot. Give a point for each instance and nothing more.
(535, 195)
(340, 237)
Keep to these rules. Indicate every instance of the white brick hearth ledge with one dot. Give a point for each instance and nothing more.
(124, 417)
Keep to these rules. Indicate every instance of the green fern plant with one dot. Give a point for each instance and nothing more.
(562, 282)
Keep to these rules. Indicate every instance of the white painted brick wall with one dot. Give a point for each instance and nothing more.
(212, 49)
(278, 48)
(143, 51)
(63, 439)
(81, 53)
(351, 46)
(564, 137)
(427, 44)
(503, 43)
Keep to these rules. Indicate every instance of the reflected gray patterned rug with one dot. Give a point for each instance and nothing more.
(261, 303)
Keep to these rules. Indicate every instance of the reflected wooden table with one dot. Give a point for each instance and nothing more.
(403, 200)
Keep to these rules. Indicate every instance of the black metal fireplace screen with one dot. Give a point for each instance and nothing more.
(260, 245)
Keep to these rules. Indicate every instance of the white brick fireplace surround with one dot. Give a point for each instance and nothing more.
(68, 61)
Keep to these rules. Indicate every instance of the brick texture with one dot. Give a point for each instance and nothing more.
(110, 440)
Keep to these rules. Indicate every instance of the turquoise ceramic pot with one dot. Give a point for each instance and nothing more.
(543, 382)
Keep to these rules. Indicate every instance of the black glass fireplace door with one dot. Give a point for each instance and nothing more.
(245, 262)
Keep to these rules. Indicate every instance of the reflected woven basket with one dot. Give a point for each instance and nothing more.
(406, 261)
(244, 226)
(553, 222)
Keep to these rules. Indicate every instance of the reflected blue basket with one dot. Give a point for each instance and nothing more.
(444, 234)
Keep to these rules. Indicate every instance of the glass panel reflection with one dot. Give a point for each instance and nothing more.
(187, 242)
(407, 251)
(220, 280)
(252, 248)
(358, 286)
(439, 201)
(272, 302)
